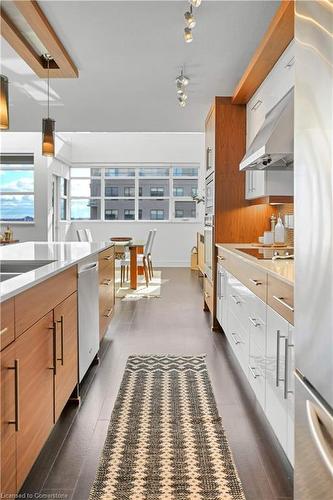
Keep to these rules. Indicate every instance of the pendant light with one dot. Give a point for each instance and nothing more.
(48, 124)
(4, 103)
(189, 18)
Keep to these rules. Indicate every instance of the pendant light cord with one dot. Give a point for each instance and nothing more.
(48, 87)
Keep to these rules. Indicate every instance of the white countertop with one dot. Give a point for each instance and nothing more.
(282, 269)
(63, 254)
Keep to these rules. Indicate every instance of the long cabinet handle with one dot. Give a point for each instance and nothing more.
(319, 438)
(235, 299)
(233, 336)
(3, 331)
(286, 369)
(108, 313)
(278, 339)
(16, 369)
(61, 340)
(283, 302)
(255, 282)
(254, 375)
(54, 344)
(254, 322)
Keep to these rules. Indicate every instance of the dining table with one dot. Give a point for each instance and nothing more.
(135, 247)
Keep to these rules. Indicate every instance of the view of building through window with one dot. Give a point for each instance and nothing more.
(17, 197)
(136, 193)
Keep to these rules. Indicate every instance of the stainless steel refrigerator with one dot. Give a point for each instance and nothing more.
(313, 163)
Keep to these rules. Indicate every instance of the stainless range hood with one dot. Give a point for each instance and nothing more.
(273, 146)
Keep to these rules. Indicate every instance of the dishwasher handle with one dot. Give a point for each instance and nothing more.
(88, 267)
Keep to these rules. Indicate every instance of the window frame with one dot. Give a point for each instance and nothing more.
(171, 199)
(25, 166)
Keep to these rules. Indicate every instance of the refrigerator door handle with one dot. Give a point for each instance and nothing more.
(318, 436)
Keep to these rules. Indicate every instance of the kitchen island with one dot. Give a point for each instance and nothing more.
(43, 318)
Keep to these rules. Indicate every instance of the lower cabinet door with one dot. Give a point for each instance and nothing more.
(106, 295)
(239, 340)
(276, 401)
(291, 396)
(66, 374)
(257, 372)
(34, 349)
(9, 408)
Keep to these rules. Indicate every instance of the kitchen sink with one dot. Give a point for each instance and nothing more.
(16, 267)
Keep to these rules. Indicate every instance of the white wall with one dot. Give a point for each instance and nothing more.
(174, 240)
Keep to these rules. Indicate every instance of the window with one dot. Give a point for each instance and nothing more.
(63, 186)
(111, 214)
(178, 191)
(111, 191)
(136, 192)
(129, 214)
(17, 196)
(156, 191)
(194, 191)
(156, 214)
(129, 191)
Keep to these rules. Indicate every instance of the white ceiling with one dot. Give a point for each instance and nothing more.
(128, 54)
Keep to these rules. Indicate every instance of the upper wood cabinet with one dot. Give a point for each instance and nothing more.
(277, 84)
(9, 409)
(66, 373)
(34, 350)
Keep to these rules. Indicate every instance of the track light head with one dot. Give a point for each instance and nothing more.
(189, 18)
(188, 37)
(195, 3)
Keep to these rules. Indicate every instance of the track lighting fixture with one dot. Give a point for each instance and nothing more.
(195, 3)
(182, 102)
(48, 126)
(189, 18)
(4, 103)
(181, 82)
(188, 37)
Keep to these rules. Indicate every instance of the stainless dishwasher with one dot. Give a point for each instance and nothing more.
(88, 313)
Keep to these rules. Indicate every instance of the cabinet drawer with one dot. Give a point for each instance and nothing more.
(256, 373)
(106, 257)
(238, 301)
(253, 278)
(7, 332)
(33, 304)
(239, 340)
(257, 321)
(208, 293)
(281, 298)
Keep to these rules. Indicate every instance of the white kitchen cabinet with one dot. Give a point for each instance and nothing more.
(279, 379)
(277, 84)
(291, 395)
(221, 296)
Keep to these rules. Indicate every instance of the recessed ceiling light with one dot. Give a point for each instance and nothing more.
(189, 18)
(188, 35)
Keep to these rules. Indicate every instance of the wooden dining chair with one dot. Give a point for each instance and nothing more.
(142, 260)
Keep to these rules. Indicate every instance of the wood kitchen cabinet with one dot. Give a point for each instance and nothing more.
(7, 330)
(8, 407)
(66, 354)
(34, 350)
(106, 289)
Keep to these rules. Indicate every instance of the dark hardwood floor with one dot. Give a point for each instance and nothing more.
(173, 324)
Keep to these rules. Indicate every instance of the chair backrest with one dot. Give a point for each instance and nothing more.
(88, 235)
(147, 245)
(81, 235)
(152, 241)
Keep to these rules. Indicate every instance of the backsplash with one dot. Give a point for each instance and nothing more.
(287, 209)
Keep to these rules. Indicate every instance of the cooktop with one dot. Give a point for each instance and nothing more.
(267, 253)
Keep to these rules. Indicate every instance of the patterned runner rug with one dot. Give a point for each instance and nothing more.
(165, 440)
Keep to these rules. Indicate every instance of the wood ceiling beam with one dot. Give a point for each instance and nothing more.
(62, 65)
(277, 38)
